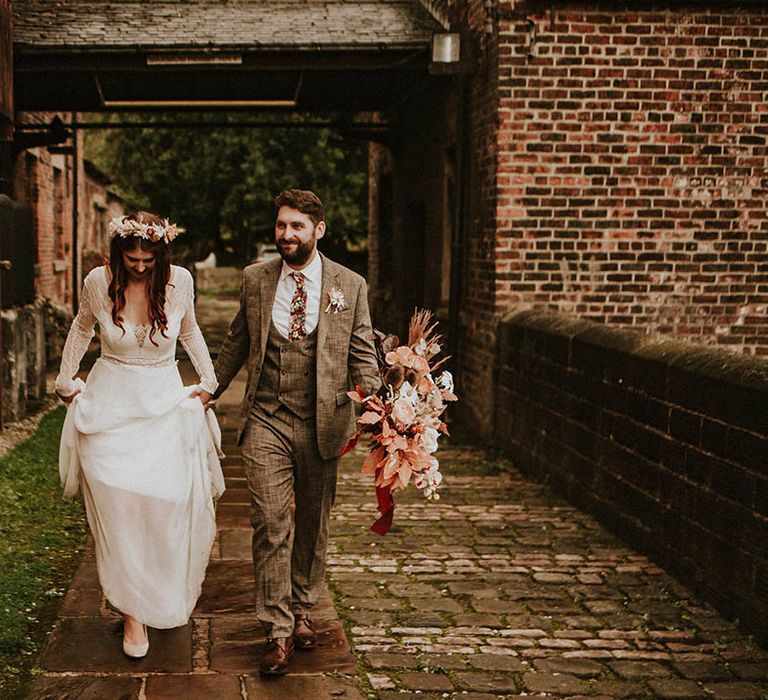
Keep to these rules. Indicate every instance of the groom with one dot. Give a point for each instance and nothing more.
(303, 331)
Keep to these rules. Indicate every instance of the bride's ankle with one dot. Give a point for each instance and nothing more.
(133, 628)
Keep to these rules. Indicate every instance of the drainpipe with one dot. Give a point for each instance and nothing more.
(75, 208)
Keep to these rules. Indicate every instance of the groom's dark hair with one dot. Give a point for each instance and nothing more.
(306, 201)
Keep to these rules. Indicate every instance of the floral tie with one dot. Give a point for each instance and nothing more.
(298, 309)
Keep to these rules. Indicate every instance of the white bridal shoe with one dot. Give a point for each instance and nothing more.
(136, 651)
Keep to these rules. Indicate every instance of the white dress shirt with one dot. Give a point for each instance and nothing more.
(286, 288)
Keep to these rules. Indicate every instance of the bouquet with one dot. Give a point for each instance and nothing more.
(402, 420)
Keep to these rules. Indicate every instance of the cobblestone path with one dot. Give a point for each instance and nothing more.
(502, 589)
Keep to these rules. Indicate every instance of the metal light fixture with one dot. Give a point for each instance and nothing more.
(446, 47)
(175, 104)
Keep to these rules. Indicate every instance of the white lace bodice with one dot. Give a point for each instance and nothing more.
(133, 347)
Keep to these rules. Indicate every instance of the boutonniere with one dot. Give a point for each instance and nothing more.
(336, 301)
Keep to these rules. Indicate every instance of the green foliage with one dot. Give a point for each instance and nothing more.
(220, 183)
(41, 537)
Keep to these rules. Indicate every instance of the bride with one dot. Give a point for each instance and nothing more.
(136, 440)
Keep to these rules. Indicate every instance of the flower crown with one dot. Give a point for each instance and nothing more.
(125, 226)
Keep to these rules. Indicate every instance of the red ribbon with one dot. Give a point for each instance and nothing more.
(349, 445)
(386, 508)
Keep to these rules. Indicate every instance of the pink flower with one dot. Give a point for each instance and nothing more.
(404, 356)
(373, 461)
(403, 412)
(398, 442)
(369, 418)
(391, 465)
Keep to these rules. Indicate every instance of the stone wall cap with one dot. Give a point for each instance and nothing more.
(548, 321)
(707, 361)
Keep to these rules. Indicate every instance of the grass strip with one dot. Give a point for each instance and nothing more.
(41, 539)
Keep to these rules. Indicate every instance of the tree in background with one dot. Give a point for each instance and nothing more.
(219, 183)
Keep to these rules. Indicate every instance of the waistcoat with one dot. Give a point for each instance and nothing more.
(288, 375)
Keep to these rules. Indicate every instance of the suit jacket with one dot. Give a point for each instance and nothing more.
(345, 353)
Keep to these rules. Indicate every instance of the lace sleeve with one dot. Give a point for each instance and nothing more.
(192, 339)
(78, 339)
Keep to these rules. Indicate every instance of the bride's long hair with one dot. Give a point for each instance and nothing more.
(157, 281)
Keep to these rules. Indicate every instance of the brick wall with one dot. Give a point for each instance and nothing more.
(414, 189)
(618, 172)
(45, 181)
(632, 166)
(412, 194)
(664, 441)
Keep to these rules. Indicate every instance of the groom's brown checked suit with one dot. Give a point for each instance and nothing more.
(294, 419)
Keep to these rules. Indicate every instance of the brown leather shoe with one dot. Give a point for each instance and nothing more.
(275, 659)
(304, 634)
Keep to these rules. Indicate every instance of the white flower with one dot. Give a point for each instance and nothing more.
(435, 398)
(421, 347)
(408, 393)
(429, 482)
(429, 440)
(336, 301)
(445, 381)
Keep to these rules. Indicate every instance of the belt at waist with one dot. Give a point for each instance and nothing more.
(139, 361)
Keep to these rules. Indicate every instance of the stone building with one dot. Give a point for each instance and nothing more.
(101, 205)
(38, 218)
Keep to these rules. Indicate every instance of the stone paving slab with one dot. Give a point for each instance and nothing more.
(227, 589)
(235, 495)
(81, 645)
(235, 544)
(237, 645)
(80, 602)
(309, 687)
(85, 688)
(231, 516)
(193, 687)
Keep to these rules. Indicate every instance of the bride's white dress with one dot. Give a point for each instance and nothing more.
(144, 453)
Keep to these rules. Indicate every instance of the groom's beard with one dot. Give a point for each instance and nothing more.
(300, 254)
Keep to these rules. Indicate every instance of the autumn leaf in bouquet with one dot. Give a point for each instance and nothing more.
(403, 419)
